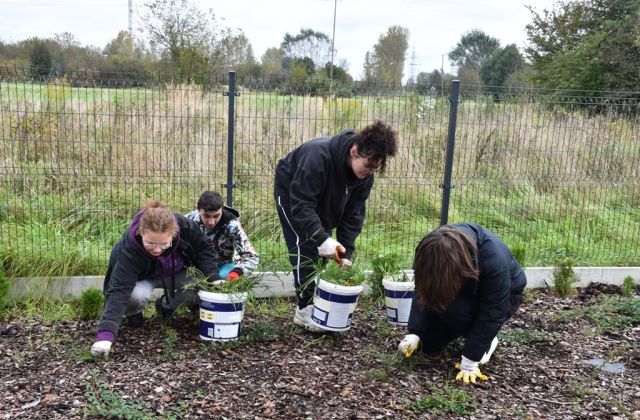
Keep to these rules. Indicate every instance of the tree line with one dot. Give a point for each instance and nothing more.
(578, 44)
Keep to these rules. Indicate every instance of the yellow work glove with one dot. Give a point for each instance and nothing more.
(469, 371)
(409, 345)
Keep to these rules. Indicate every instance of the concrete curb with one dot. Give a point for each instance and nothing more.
(281, 283)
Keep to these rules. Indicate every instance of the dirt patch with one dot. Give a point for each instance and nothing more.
(279, 371)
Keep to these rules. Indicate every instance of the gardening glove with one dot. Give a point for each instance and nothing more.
(101, 348)
(409, 345)
(233, 275)
(218, 282)
(469, 371)
(345, 263)
(331, 248)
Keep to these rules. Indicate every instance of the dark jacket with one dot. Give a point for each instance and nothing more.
(129, 263)
(483, 305)
(323, 191)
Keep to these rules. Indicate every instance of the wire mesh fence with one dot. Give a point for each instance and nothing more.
(554, 173)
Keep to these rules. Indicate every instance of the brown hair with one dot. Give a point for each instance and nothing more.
(377, 141)
(444, 259)
(157, 218)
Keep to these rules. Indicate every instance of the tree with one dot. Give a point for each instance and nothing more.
(40, 58)
(236, 51)
(184, 35)
(308, 43)
(503, 62)
(271, 62)
(386, 61)
(586, 44)
(473, 48)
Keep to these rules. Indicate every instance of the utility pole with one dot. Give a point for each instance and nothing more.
(131, 18)
(333, 40)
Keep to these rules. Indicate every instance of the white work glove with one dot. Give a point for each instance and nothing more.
(469, 371)
(219, 282)
(409, 345)
(346, 263)
(101, 348)
(331, 248)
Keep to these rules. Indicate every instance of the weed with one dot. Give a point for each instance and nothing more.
(383, 328)
(377, 375)
(335, 274)
(102, 402)
(448, 400)
(564, 277)
(270, 307)
(382, 266)
(90, 303)
(265, 331)
(523, 337)
(170, 339)
(628, 286)
(610, 313)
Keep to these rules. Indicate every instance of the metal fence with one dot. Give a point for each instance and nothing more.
(555, 173)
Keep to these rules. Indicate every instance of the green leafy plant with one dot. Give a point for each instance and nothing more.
(628, 286)
(91, 303)
(244, 284)
(564, 276)
(170, 339)
(448, 400)
(335, 274)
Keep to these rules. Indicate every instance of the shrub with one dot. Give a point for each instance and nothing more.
(564, 277)
(520, 255)
(5, 288)
(628, 286)
(91, 303)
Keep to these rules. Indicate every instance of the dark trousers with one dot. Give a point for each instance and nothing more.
(303, 253)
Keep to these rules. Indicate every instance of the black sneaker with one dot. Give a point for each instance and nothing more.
(161, 311)
(135, 320)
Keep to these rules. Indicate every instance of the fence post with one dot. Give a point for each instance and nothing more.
(230, 134)
(451, 141)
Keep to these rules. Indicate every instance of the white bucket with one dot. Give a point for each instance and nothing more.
(221, 315)
(333, 305)
(397, 297)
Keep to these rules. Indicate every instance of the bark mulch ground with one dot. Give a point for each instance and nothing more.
(575, 357)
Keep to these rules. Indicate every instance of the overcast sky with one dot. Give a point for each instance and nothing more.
(435, 26)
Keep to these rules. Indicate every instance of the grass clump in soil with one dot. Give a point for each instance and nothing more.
(448, 400)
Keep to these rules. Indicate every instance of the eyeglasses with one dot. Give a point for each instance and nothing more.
(150, 246)
(371, 165)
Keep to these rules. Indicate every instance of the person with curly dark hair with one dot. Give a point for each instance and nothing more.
(323, 185)
(467, 284)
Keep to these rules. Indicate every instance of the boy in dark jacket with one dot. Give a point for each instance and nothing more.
(221, 225)
(154, 252)
(467, 284)
(323, 185)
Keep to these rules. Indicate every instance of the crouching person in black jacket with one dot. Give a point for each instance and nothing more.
(154, 252)
(467, 284)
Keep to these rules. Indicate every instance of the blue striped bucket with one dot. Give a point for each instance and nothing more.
(397, 298)
(221, 315)
(333, 305)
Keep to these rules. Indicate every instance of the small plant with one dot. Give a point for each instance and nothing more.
(564, 277)
(91, 303)
(102, 402)
(628, 286)
(448, 400)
